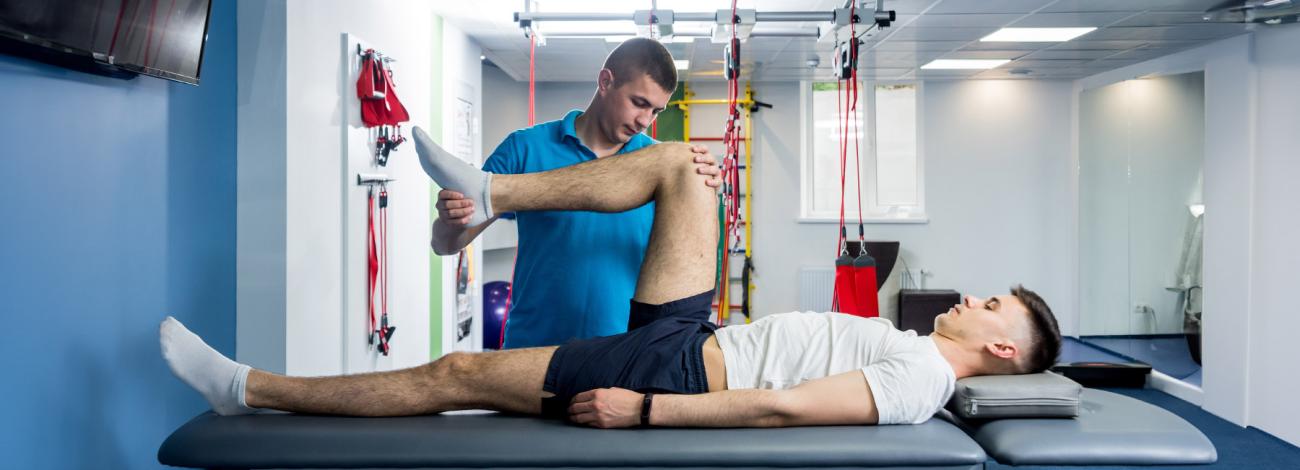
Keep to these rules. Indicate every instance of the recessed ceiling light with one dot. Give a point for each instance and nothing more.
(1036, 34)
(618, 39)
(964, 64)
(682, 64)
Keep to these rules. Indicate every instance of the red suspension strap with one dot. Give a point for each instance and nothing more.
(731, 217)
(864, 266)
(532, 79)
(855, 276)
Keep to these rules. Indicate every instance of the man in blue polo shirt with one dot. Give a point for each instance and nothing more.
(576, 271)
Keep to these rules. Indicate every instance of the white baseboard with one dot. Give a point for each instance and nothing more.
(1183, 390)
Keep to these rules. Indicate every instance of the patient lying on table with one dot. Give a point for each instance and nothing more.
(673, 367)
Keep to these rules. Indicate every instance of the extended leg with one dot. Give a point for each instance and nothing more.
(504, 381)
(681, 257)
(508, 381)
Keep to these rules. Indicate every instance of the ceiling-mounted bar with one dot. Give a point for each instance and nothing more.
(798, 33)
(700, 17)
(804, 33)
(662, 21)
(773, 16)
(776, 16)
(543, 16)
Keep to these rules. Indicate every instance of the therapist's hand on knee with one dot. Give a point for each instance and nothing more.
(454, 208)
(708, 166)
(607, 408)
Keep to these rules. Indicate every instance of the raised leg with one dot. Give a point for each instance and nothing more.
(681, 257)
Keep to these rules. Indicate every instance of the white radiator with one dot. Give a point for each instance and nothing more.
(816, 285)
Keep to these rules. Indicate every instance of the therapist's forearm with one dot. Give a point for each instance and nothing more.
(725, 409)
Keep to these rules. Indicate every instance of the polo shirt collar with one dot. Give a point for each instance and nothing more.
(568, 127)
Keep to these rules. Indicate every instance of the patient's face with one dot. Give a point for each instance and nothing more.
(984, 320)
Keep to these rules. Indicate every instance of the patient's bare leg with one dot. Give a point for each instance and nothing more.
(504, 381)
(681, 258)
(508, 381)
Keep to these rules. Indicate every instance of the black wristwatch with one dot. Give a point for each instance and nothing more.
(645, 409)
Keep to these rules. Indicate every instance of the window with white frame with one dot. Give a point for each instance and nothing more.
(889, 159)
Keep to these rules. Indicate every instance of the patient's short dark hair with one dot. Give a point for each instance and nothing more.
(1044, 334)
(638, 56)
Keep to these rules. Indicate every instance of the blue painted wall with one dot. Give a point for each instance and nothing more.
(117, 207)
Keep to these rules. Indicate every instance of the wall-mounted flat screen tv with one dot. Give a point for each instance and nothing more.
(161, 38)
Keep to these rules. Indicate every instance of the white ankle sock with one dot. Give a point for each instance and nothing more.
(220, 380)
(455, 174)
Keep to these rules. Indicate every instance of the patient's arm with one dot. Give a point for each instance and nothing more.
(839, 399)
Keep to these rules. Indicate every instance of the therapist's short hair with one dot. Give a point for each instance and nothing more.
(638, 56)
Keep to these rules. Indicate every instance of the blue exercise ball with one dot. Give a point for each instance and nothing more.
(496, 297)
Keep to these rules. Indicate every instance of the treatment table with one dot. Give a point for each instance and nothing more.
(1112, 429)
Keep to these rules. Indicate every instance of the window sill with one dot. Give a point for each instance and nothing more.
(910, 219)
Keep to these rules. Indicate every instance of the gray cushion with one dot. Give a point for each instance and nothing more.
(1042, 395)
(1111, 429)
(493, 440)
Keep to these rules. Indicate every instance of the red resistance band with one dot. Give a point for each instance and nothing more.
(377, 288)
(855, 290)
(732, 221)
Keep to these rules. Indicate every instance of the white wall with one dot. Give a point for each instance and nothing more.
(1250, 168)
(995, 155)
(461, 71)
(1274, 258)
(299, 207)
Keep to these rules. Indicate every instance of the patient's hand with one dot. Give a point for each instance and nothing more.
(607, 408)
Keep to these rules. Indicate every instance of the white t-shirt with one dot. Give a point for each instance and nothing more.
(908, 376)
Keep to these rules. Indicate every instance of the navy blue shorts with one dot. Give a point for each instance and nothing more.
(660, 353)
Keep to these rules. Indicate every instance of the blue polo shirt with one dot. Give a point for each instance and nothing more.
(576, 271)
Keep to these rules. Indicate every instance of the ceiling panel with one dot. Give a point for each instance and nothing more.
(938, 34)
(1131, 5)
(1005, 46)
(1163, 19)
(985, 6)
(1098, 45)
(985, 55)
(916, 46)
(1168, 33)
(1070, 20)
(1069, 54)
(985, 20)
(907, 7)
(1005, 74)
(1048, 63)
(1144, 53)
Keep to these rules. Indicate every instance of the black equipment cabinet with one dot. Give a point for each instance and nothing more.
(918, 307)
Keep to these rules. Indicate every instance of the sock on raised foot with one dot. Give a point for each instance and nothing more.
(220, 380)
(455, 174)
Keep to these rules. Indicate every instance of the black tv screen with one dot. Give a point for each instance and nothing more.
(162, 38)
